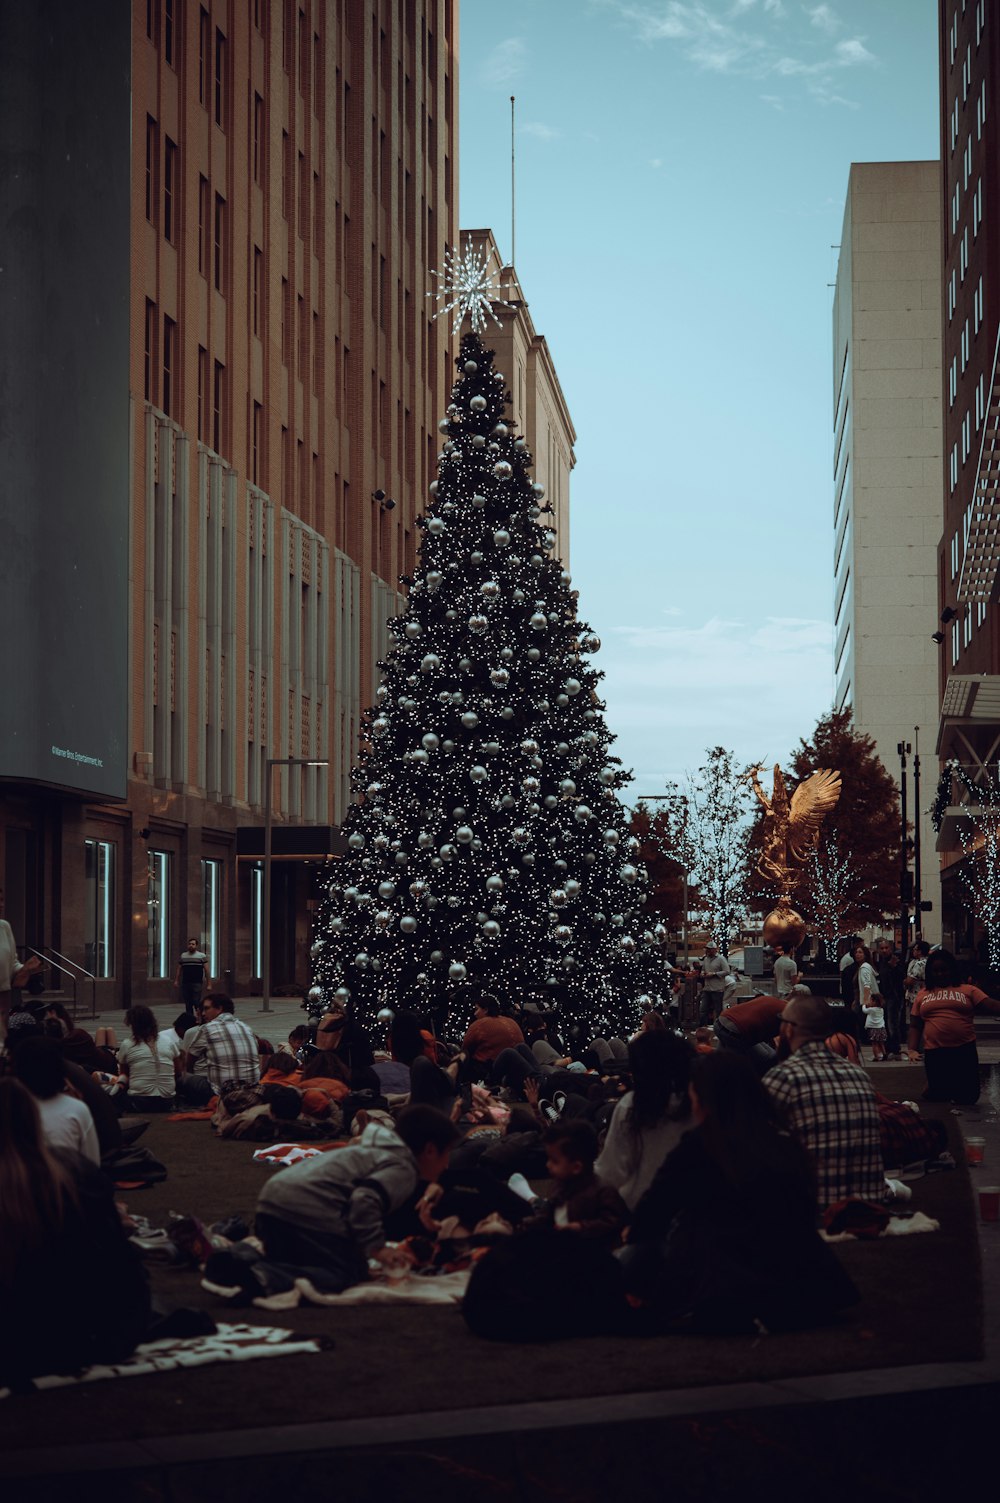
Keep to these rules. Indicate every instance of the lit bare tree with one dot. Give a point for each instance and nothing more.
(832, 890)
(707, 832)
(981, 867)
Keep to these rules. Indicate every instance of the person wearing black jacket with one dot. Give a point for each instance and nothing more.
(73, 1290)
(725, 1238)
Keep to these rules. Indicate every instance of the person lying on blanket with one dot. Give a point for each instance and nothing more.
(321, 1220)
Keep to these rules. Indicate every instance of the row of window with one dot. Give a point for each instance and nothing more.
(963, 629)
(163, 944)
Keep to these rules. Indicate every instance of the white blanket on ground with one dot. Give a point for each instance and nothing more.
(415, 1289)
(898, 1226)
(231, 1343)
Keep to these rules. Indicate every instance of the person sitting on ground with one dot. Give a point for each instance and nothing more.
(829, 1104)
(150, 1061)
(324, 1083)
(72, 1288)
(66, 1122)
(282, 1069)
(580, 1201)
(297, 1039)
(345, 1036)
(76, 1043)
(649, 1119)
(194, 1088)
(228, 1046)
(705, 1041)
(941, 1024)
(488, 1035)
(321, 1220)
(725, 1239)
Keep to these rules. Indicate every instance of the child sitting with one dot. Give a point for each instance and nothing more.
(579, 1202)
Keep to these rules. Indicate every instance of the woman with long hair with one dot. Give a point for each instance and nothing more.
(649, 1119)
(941, 1023)
(726, 1238)
(150, 1061)
(72, 1288)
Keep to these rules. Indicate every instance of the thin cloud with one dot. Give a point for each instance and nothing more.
(736, 40)
(823, 18)
(505, 62)
(656, 161)
(539, 130)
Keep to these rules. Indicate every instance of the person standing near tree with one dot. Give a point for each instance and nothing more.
(192, 975)
(715, 969)
(786, 972)
(11, 968)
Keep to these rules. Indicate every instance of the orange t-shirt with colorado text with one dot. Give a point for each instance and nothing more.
(947, 1014)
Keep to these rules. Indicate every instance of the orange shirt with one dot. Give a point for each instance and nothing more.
(947, 1014)
(487, 1037)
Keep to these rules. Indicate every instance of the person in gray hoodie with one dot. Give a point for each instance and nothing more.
(321, 1220)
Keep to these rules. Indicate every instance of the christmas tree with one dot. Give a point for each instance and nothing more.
(487, 842)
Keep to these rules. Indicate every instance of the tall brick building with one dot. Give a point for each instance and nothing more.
(969, 558)
(269, 433)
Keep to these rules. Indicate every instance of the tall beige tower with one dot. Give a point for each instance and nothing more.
(888, 468)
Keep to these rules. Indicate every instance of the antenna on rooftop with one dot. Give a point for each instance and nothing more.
(512, 180)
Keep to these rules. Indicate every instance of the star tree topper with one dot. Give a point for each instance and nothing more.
(467, 287)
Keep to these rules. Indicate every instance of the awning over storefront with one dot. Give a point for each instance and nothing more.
(291, 842)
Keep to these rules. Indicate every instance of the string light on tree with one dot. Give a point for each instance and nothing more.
(490, 843)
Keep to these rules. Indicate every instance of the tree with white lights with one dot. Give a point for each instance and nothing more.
(487, 841)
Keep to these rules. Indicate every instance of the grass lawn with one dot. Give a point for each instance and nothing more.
(921, 1303)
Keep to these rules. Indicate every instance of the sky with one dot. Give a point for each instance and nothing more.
(682, 168)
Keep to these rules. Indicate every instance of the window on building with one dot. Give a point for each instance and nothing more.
(285, 319)
(220, 243)
(170, 354)
(258, 290)
(287, 37)
(977, 209)
(954, 643)
(258, 139)
(211, 914)
(204, 55)
(256, 441)
(171, 40)
(952, 382)
(303, 337)
(286, 174)
(100, 902)
(953, 466)
(256, 919)
(202, 394)
(221, 50)
(967, 626)
(303, 199)
(171, 187)
(954, 125)
(149, 378)
(259, 14)
(954, 556)
(203, 225)
(218, 407)
(158, 949)
(152, 168)
(153, 20)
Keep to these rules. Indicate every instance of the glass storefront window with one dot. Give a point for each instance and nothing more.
(256, 913)
(158, 908)
(211, 914)
(99, 883)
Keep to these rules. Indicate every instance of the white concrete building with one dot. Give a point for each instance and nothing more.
(888, 501)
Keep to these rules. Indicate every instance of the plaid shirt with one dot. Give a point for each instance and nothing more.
(230, 1049)
(830, 1104)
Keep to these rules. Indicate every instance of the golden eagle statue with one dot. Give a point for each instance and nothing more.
(791, 831)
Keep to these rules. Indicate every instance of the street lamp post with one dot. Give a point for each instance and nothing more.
(265, 963)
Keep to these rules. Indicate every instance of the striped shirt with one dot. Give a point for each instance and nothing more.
(830, 1105)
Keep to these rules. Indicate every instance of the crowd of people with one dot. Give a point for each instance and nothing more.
(675, 1180)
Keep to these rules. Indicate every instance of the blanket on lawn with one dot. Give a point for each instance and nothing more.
(414, 1289)
(230, 1343)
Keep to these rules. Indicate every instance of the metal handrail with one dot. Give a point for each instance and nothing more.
(74, 975)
